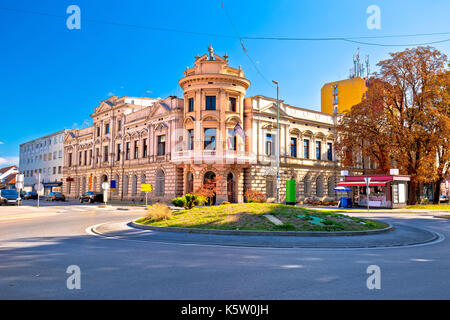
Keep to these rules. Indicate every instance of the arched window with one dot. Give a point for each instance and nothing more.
(83, 185)
(133, 185)
(160, 183)
(306, 186)
(190, 183)
(319, 186)
(331, 186)
(143, 178)
(116, 178)
(125, 185)
(270, 186)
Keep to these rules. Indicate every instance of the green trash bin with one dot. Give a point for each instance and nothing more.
(291, 194)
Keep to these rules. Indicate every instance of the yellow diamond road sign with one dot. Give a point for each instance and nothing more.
(146, 187)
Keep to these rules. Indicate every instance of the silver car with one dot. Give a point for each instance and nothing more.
(9, 197)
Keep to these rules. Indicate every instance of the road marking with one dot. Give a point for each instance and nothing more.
(90, 231)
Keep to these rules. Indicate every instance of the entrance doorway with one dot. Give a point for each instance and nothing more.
(231, 188)
(209, 182)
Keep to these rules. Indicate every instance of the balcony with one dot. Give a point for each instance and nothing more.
(213, 156)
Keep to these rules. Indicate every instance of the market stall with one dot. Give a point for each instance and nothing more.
(385, 191)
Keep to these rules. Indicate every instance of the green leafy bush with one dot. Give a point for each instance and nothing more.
(189, 201)
(179, 202)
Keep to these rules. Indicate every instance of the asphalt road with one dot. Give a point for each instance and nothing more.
(38, 245)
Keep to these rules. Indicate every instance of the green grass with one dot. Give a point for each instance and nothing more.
(429, 206)
(249, 216)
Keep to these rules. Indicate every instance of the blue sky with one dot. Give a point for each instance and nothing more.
(53, 77)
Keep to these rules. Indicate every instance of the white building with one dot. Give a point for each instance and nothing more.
(44, 155)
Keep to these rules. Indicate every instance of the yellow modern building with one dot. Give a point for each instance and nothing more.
(342, 95)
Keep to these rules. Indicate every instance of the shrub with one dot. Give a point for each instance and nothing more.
(179, 202)
(189, 201)
(157, 212)
(255, 196)
(193, 200)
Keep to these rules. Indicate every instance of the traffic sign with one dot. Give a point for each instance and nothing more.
(146, 187)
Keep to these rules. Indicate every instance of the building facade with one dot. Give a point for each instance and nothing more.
(342, 95)
(8, 177)
(45, 156)
(215, 133)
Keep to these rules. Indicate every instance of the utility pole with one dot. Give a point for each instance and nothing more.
(278, 142)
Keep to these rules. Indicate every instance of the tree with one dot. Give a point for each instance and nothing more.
(403, 118)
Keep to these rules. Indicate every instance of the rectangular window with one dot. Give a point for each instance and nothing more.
(119, 125)
(85, 157)
(306, 149)
(69, 162)
(210, 102)
(127, 151)
(209, 139)
(161, 145)
(191, 139)
(80, 154)
(105, 154)
(98, 131)
(119, 150)
(329, 151)
(49, 156)
(90, 156)
(54, 170)
(231, 140)
(136, 149)
(145, 149)
(294, 147)
(59, 169)
(97, 155)
(191, 105)
(269, 144)
(45, 157)
(232, 104)
(107, 128)
(318, 150)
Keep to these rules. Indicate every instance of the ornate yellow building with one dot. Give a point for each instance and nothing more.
(215, 131)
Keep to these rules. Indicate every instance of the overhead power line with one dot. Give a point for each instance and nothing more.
(243, 47)
(199, 33)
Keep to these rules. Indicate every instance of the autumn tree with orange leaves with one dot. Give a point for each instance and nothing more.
(403, 120)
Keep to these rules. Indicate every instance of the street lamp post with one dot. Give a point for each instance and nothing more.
(278, 143)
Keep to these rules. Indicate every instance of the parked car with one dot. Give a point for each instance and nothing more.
(55, 196)
(9, 197)
(30, 195)
(91, 197)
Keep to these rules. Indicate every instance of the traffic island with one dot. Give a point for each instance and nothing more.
(263, 219)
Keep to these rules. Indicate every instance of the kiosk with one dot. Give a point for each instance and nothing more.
(386, 191)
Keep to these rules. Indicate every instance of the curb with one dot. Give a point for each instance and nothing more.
(389, 228)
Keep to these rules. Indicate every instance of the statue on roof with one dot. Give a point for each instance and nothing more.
(211, 52)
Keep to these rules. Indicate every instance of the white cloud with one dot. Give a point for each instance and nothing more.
(1, 142)
(110, 94)
(9, 161)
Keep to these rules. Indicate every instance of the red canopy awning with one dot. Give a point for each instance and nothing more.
(361, 184)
